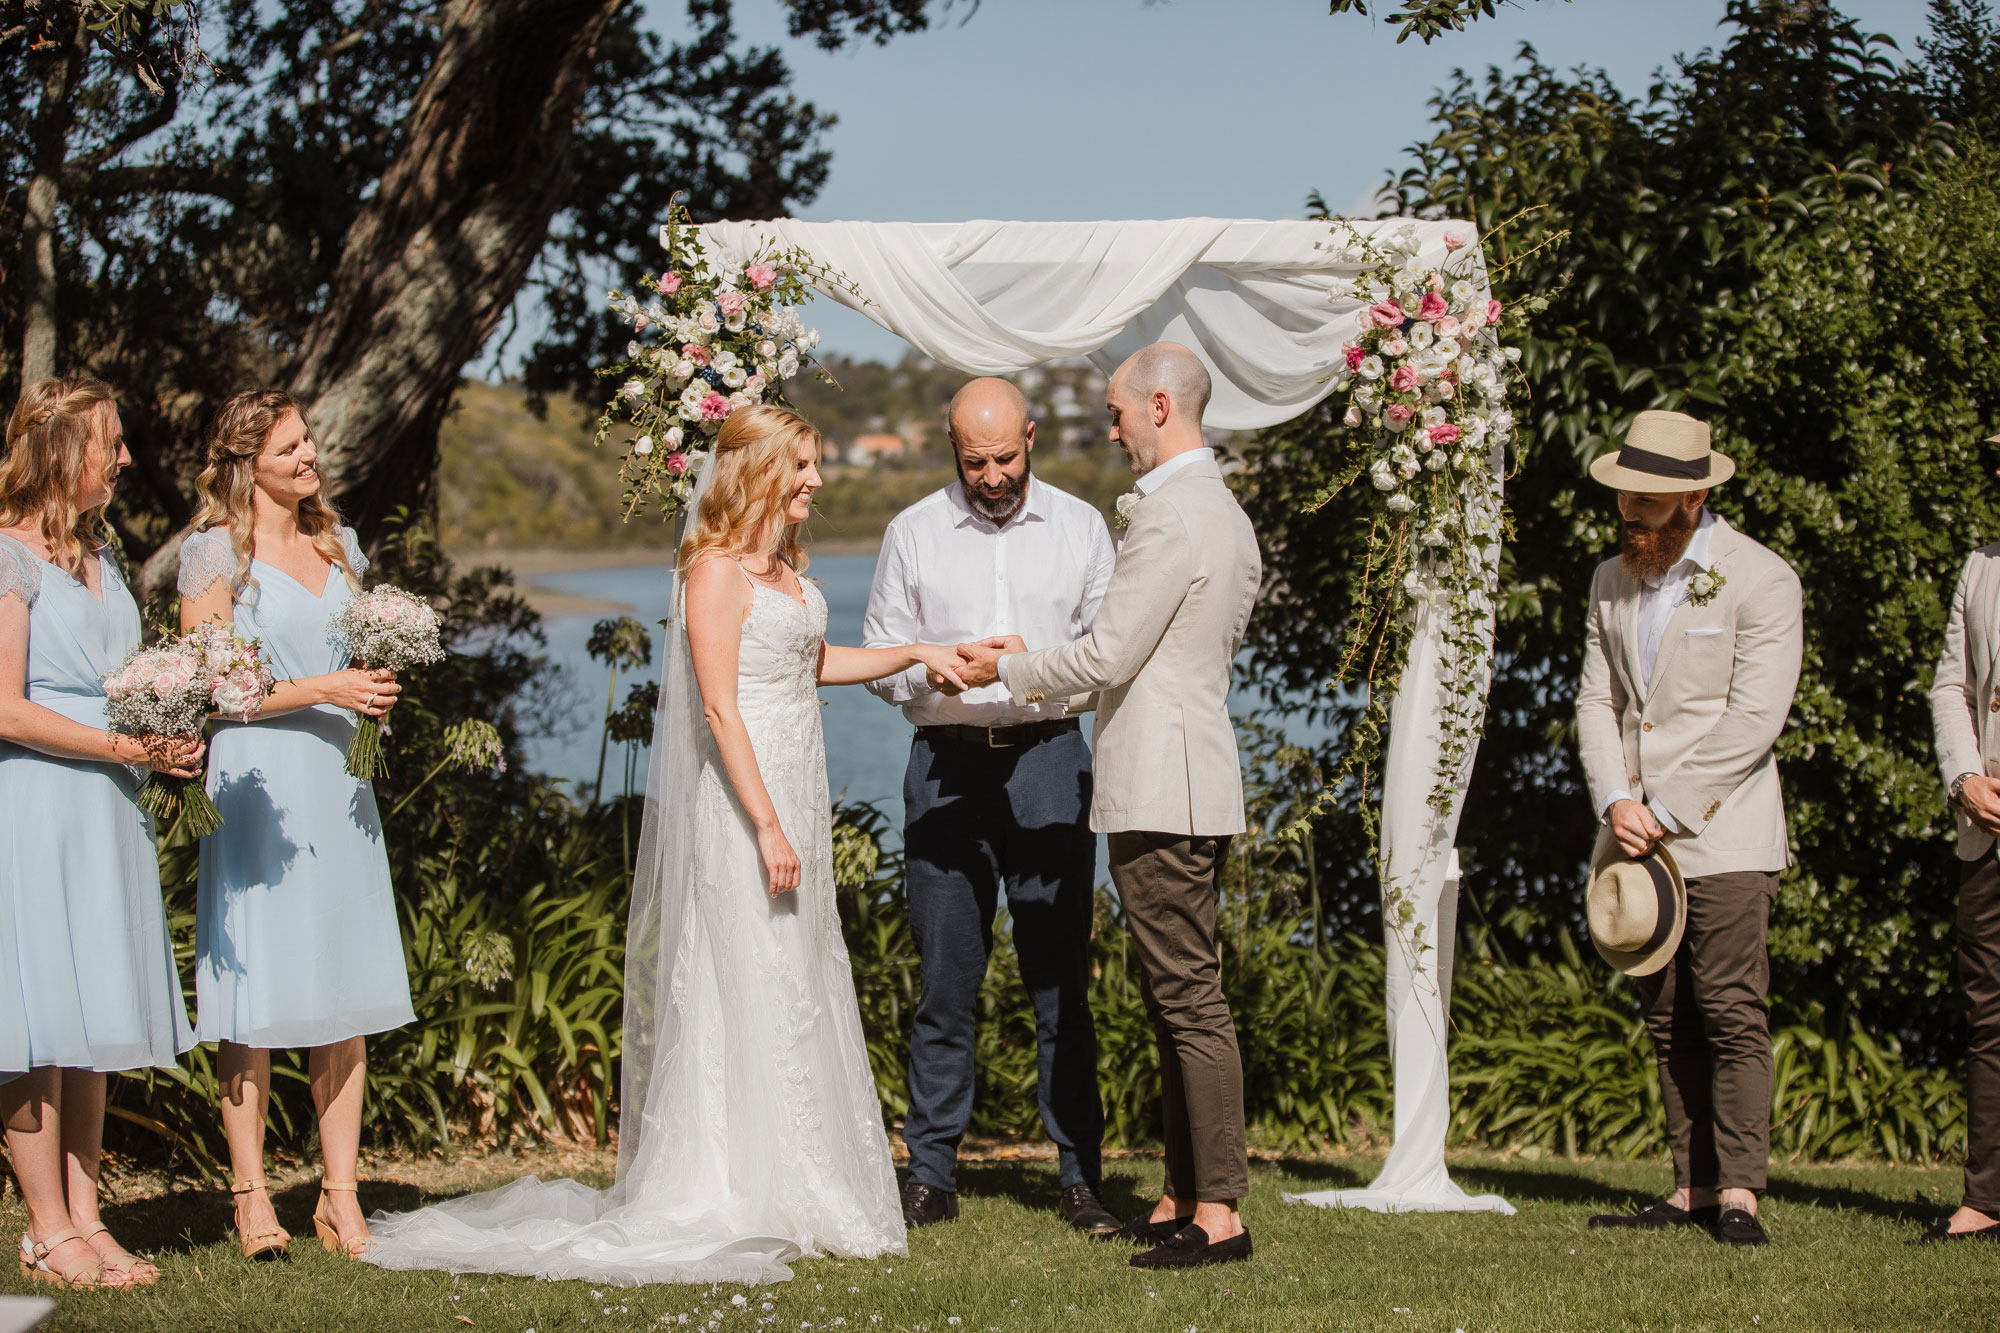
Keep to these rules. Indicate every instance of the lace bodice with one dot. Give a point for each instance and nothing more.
(777, 665)
(208, 555)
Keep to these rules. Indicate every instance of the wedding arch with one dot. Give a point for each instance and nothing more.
(1393, 314)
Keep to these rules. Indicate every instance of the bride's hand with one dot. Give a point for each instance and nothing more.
(942, 663)
(781, 863)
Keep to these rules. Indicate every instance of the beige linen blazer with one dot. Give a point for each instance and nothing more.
(1965, 697)
(1158, 658)
(1699, 740)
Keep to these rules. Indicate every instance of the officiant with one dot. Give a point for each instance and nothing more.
(997, 794)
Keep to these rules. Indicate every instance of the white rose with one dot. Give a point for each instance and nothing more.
(1353, 417)
(737, 322)
(1401, 503)
(673, 437)
(643, 445)
(739, 399)
(1124, 506)
(1421, 335)
(733, 378)
(1370, 368)
(633, 390)
(809, 339)
(1443, 389)
(1461, 291)
(692, 395)
(1435, 460)
(632, 350)
(1367, 396)
(1380, 474)
(767, 349)
(682, 372)
(788, 364)
(726, 361)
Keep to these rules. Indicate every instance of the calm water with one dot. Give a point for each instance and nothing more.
(867, 741)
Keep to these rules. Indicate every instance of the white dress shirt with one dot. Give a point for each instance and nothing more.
(948, 575)
(1657, 599)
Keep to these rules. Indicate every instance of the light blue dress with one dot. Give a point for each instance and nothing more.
(296, 941)
(87, 976)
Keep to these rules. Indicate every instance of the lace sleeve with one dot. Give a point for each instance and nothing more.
(19, 574)
(358, 561)
(205, 557)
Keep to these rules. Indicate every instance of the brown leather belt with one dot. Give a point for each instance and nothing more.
(1009, 737)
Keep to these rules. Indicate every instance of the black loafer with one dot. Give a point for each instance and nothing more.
(925, 1204)
(1940, 1231)
(1738, 1226)
(1082, 1209)
(1145, 1231)
(1191, 1248)
(1660, 1216)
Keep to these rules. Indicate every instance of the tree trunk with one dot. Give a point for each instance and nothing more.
(436, 256)
(49, 134)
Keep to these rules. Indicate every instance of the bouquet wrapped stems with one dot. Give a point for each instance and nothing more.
(167, 798)
(384, 627)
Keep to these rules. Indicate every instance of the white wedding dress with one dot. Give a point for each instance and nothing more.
(750, 1132)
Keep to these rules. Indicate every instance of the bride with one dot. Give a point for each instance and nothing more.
(750, 1131)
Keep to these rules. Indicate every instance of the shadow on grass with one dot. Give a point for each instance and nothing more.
(1516, 1183)
(1916, 1212)
(1126, 1189)
(192, 1218)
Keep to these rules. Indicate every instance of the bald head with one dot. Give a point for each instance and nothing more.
(1156, 401)
(991, 438)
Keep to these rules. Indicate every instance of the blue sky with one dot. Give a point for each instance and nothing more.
(1077, 109)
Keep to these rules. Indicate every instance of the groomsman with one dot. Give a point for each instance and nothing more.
(1169, 791)
(1692, 653)
(1965, 709)
(997, 792)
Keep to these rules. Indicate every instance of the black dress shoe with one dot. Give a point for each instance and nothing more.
(1145, 1231)
(925, 1204)
(1082, 1209)
(1191, 1248)
(1940, 1230)
(1739, 1226)
(1659, 1217)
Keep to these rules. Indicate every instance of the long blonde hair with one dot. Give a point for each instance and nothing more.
(755, 464)
(228, 484)
(48, 448)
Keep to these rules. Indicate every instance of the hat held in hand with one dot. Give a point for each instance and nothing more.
(1662, 454)
(1637, 910)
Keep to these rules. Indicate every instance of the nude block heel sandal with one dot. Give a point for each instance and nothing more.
(35, 1262)
(267, 1245)
(329, 1235)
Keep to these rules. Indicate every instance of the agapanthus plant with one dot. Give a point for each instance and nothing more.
(384, 627)
(171, 688)
(712, 332)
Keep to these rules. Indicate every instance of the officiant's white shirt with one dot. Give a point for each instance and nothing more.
(948, 575)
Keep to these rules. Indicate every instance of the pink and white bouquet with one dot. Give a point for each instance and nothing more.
(169, 689)
(712, 332)
(384, 627)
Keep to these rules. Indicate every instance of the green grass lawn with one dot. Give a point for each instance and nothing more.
(1838, 1261)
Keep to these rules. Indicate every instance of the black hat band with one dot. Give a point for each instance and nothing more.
(1663, 884)
(1659, 465)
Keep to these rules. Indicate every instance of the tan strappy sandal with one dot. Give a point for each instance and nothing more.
(35, 1263)
(329, 1235)
(131, 1269)
(269, 1244)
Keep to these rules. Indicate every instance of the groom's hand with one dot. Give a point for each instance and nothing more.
(979, 663)
(942, 684)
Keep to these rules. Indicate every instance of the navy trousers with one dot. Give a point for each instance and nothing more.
(979, 818)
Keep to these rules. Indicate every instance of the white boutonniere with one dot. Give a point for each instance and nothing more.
(1122, 509)
(1704, 585)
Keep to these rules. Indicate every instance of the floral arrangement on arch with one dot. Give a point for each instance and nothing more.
(711, 332)
(1421, 402)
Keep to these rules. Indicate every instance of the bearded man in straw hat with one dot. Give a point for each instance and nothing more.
(1693, 650)
(1965, 710)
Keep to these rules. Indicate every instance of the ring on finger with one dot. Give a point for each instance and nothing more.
(370, 703)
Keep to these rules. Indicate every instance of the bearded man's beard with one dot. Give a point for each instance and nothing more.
(997, 510)
(1649, 554)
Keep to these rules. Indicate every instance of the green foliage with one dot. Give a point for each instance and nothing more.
(1425, 19)
(1788, 242)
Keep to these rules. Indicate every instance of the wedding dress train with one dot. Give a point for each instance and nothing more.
(751, 1134)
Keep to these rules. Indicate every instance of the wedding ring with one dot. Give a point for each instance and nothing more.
(370, 703)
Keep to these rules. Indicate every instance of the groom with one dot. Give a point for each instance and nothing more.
(1168, 788)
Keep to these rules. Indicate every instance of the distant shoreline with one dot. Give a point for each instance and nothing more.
(533, 563)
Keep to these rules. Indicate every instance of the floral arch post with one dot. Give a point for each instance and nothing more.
(1394, 316)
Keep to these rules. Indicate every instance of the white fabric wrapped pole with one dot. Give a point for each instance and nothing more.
(1252, 299)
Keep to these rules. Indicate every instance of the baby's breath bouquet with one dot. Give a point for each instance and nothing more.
(169, 689)
(384, 627)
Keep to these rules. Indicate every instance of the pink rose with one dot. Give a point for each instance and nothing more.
(1448, 327)
(1398, 415)
(761, 276)
(1444, 433)
(1355, 356)
(695, 354)
(754, 385)
(1403, 379)
(1434, 306)
(677, 463)
(639, 324)
(1387, 315)
(730, 303)
(669, 283)
(1492, 312)
(714, 407)
(1454, 240)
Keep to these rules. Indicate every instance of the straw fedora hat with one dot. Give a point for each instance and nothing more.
(1664, 452)
(1637, 909)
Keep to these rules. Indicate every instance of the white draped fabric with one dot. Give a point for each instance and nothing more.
(1256, 301)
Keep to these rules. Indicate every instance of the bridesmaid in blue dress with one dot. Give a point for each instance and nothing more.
(87, 978)
(296, 938)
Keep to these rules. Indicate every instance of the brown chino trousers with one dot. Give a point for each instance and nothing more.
(1167, 886)
(1712, 1033)
(1979, 974)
